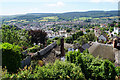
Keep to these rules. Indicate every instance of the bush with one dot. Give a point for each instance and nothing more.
(94, 68)
(49, 42)
(56, 38)
(118, 71)
(14, 35)
(11, 57)
(68, 40)
(37, 36)
(58, 42)
(58, 70)
(34, 49)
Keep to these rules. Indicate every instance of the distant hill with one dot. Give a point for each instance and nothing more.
(80, 14)
(67, 15)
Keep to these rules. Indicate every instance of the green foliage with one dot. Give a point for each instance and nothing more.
(59, 70)
(87, 30)
(56, 38)
(34, 49)
(68, 40)
(77, 34)
(37, 36)
(12, 34)
(25, 73)
(68, 30)
(90, 36)
(49, 42)
(111, 29)
(94, 68)
(58, 42)
(118, 71)
(11, 57)
(82, 40)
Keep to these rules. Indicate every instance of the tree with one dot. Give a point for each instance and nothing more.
(13, 34)
(68, 30)
(111, 29)
(90, 36)
(38, 36)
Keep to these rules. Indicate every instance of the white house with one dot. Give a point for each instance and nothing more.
(101, 37)
(116, 30)
(62, 33)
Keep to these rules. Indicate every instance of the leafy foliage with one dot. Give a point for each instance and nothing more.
(38, 36)
(68, 40)
(11, 57)
(15, 35)
(59, 70)
(33, 49)
(92, 67)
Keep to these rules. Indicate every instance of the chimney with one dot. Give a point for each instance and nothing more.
(62, 47)
(115, 43)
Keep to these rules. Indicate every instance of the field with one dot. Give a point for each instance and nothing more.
(51, 17)
(14, 20)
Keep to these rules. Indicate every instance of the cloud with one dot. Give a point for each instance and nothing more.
(58, 4)
(104, 0)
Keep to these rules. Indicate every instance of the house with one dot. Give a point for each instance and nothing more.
(62, 33)
(104, 51)
(103, 25)
(85, 46)
(101, 37)
(116, 30)
(97, 32)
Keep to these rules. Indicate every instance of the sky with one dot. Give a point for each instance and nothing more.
(14, 7)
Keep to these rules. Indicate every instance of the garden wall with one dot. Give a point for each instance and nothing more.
(27, 60)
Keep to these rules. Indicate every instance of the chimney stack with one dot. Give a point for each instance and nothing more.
(62, 47)
(115, 43)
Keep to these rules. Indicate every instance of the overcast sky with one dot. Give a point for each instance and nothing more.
(12, 7)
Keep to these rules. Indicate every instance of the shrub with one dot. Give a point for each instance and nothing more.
(58, 42)
(58, 70)
(13, 34)
(11, 57)
(92, 67)
(56, 38)
(49, 42)
(34, 49)
(38, 36)
(68, 40)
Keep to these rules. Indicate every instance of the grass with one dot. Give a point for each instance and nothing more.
(51, 17)
(24, 21)
(84, 18)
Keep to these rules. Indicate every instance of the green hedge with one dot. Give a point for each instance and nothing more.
(93, 68)
(11, 57)
(58, 70)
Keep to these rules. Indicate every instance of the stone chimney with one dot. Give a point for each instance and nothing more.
(115, 43)
(62, 47)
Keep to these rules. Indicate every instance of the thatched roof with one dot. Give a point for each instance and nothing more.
(102, 50)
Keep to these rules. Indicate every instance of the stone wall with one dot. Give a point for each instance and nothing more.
(117, 56)
(27, 60)
(46, 49)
